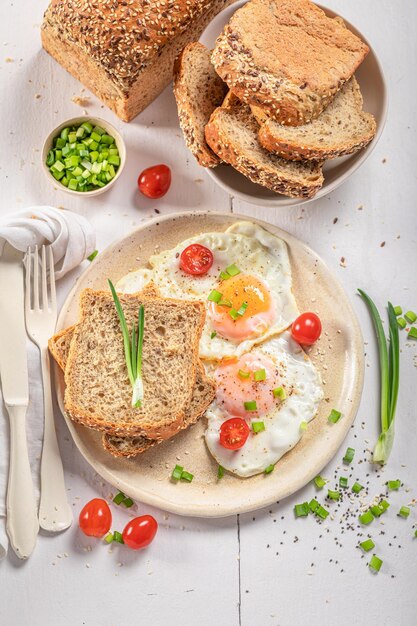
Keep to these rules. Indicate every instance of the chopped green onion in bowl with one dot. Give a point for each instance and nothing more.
(84, 156)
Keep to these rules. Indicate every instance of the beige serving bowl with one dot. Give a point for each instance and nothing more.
(76, 121)
(338, 355)
(336, 171)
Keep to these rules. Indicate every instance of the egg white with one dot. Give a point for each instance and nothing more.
(253, 250)
(282, 425)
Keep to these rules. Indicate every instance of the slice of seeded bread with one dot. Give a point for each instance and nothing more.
(198, 91)
(170, 355)
(232, 133)
(343, 128)
(203, 394)
(286, 56)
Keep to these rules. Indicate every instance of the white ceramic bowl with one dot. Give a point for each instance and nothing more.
(76, 121)
(336, 171)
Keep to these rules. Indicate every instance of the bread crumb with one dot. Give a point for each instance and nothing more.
(37, 96)
(82, 101)
(342, 261)
(9, 60)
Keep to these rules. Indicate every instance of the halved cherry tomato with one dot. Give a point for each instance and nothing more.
(196, 259)
(95, 518)
(306, 329)
(234, 433)
(155, 181)
(139, 532)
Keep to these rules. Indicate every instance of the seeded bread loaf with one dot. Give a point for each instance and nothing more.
(232, 133)
(286, 56)
(170, 357)
(343, 128)
(124, 51)
(198, 91)
(203, 394)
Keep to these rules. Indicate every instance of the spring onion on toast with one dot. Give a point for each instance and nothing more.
(389, 364)
(133, 348)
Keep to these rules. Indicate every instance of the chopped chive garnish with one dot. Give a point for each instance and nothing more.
(401, 322)
(128, 502)
(250, 405)
(224, 276)
(357, 487)
(367, 545)
(92, 256)
(214, 296)
(220, 472)
(232, 270)
(333, 495)
(349, 454)
(398, 310)
(322, 512)
(343, 482)
(404, 512)
(269, 469)
(394, 485)
(410, 316)
(313, 505)
(117, 536)
(213, 334)
(177, 472)
(375, 563)
(366, 518)
(118, 499)
(109, 538)
(241, 310)
(279, 392)
(301, 510)
(376, 511)
(412, 333)
(233, 314)
(319, 481)
(383, 506)
(259, 375)
(133, 346)
(187, 476)
(415, 533)
(334, 416)
(258, 427)
(303, 426)
(243, 374)
(225, 302)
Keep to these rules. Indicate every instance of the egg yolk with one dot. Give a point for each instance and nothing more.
(256, 318)
(233, 390)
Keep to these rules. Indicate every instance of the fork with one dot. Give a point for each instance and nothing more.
(55, 513)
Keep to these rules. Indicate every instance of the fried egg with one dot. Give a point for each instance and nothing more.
(255, 304)
(285, 366)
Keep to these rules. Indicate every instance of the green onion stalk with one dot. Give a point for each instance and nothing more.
(133, 345)
(389, 366)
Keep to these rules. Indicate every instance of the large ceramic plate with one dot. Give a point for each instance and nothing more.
(336, 171)
(338, 355)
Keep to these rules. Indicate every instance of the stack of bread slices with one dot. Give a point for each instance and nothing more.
(97, 388)
(276, 97)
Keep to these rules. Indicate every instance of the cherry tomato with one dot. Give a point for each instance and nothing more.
(95, 518)
(306, 329)
(155, 181)
(234, 433)
(196, 259)
(139, 532)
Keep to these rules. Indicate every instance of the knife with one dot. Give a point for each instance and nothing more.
(22, 519)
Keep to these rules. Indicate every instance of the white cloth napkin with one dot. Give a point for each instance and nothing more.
(73, 240)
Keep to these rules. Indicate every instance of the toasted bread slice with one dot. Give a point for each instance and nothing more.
(198, 91)
(170, 355)
(286, 56)
(203, 394)
(343, 128)
(232, 133)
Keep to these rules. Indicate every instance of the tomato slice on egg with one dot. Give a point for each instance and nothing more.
(234, 433)
(196, 260)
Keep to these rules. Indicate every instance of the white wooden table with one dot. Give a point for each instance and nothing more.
(265, 568)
